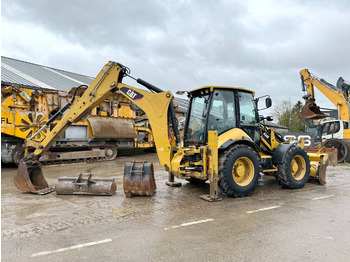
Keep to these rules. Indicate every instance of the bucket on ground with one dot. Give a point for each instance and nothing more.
(86, 185)
(139, 179)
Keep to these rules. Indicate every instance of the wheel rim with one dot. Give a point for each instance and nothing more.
(243, 171)
(298, 167)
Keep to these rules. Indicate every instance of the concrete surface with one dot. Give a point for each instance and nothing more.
(274, 224)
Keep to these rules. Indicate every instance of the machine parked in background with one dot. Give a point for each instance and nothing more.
(111, 125)
(336, 132)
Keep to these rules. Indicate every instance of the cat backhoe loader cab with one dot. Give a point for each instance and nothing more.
(223, 139)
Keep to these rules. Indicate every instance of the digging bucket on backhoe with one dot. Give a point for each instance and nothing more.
(139, 179)
(86, 185)
(320, 158)
(311, 111)
(30, 178)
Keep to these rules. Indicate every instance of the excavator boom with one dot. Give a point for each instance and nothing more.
(338, 95)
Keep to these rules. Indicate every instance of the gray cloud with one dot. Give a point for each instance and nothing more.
(260, 45)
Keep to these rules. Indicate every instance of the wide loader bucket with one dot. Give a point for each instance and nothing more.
(86, 185)
(311, 111)
(320, 158)
(139, 179)
(30, 178)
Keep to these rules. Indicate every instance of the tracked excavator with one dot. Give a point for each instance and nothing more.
(334, 133)
(224, 141)
(112, 126)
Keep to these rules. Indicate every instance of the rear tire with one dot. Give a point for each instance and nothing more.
(238, 171)
(294, 172)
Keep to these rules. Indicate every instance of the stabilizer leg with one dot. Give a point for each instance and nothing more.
(213, 168)
(171, 181)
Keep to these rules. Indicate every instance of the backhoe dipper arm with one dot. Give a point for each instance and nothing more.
(156, 106)
(107, 82)
(334, 94)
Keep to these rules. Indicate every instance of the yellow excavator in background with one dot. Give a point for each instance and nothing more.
(111, 126)
(334, 133)
(224, 141)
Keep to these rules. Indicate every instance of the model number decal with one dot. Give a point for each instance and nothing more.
(307, 138)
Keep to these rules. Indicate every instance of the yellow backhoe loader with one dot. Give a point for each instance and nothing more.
(223, 142)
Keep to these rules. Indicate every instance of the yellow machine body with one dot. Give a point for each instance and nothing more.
(231, 153)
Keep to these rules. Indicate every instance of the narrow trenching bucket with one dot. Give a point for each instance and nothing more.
(311, 111)
(30, 178)
(139, 179)
(86, 185)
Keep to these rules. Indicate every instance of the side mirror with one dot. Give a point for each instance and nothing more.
(268, 102)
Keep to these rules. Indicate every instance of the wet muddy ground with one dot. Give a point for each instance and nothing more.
(312, 223)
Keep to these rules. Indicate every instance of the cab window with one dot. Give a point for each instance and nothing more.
(222, 115)
(248, 114)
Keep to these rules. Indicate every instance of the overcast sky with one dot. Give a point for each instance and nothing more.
(181, 45)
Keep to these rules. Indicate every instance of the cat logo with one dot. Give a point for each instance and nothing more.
(133, 95)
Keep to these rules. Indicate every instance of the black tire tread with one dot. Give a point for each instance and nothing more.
(224, 186)
(284, 178)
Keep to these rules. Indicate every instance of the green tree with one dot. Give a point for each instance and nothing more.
(288, 115)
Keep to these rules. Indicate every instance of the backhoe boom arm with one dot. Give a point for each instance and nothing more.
(107, 82)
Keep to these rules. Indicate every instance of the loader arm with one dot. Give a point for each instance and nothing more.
(29, 176)
(336, 95)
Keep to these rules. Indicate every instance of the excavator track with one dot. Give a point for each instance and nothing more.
(72, 155)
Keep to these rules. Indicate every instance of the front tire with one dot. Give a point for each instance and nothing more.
(294, 172)
(238, 171)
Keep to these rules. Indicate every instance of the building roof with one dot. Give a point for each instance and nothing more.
(36, 76)
(27, 74)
